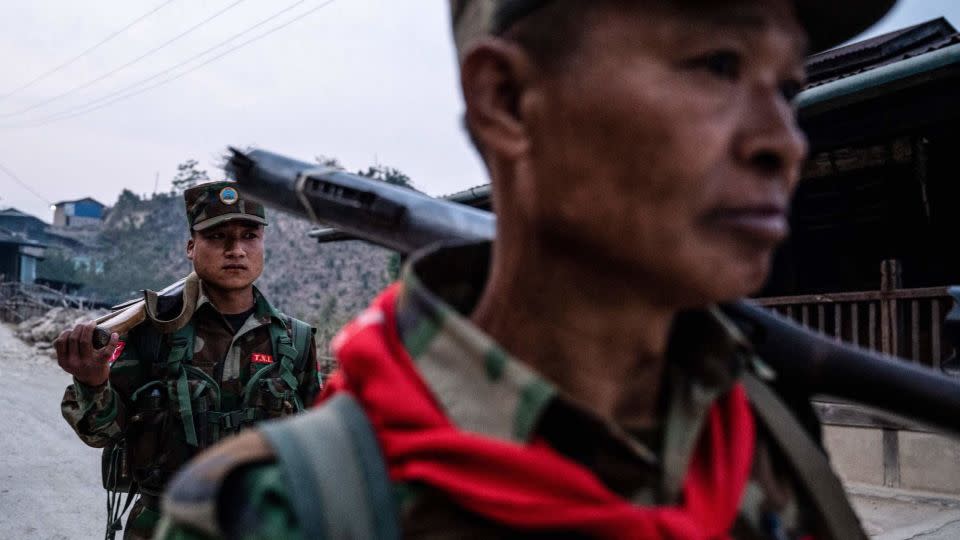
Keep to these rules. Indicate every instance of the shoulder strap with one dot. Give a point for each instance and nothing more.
(301, 340)
(181, 352)
(285, 352)
(807, 459)
(338, 479)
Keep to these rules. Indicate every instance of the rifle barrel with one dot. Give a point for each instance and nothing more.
(392, 216)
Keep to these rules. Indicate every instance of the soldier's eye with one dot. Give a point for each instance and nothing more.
(726, 64)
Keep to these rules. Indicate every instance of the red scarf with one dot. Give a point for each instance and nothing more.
(529, 486)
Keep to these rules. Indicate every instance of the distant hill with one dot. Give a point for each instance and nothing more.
(142, 244)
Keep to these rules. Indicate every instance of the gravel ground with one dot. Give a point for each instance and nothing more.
(49, 480)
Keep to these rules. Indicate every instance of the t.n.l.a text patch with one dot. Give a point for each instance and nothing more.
(260, 358)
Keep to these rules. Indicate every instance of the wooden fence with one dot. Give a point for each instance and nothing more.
(20, 301)
(906, 323)
(903, 322)
(900, 322)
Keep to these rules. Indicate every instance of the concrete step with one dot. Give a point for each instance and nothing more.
(897, 458)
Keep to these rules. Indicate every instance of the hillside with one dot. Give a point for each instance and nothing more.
(142, 245)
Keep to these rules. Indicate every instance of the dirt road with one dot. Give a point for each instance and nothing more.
(49, 480)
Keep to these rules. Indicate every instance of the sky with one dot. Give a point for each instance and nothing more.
(364, 81)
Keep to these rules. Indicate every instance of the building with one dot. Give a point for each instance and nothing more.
(869, 258)
(16, 221)
(19, 257)
(79, 213)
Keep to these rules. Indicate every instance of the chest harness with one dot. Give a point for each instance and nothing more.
(201, 425)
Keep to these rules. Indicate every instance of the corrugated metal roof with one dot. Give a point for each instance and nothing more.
(8, 237)
(884, 78)
(879, 51)
(13, 212)
(471, 196)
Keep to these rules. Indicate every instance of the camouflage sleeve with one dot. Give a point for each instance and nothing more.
(92, 412)
(98, 414)
(309, 380)
(253, 505)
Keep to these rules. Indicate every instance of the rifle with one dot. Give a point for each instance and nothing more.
(405, 220)
(126, 316)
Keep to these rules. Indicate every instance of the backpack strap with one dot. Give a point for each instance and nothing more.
(302, 332)
(807, 459)
(286, 352)
(339, 484)
(181, 352)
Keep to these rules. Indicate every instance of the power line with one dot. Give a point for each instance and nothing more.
(179, 75)
(124, 66)
(84, 53)
(24, 185)
(67, 112)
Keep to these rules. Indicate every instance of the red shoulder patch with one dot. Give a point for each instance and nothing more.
(260, 358)
(117, 352)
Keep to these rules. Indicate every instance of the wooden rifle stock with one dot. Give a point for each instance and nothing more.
(128, 315)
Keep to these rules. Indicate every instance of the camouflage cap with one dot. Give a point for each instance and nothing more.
(213, 203)
(826, 25)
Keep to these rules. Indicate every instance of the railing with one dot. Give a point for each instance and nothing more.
(907, 323)
(901, 322)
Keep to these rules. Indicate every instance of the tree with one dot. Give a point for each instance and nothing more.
(188, 175)
(386, 174)
(329, 162)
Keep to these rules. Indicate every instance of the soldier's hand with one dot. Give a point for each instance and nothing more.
(76, 355)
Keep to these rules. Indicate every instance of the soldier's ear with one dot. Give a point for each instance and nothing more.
(495, 75)
(190, 246)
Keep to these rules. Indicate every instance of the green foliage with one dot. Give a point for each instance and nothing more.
(329, 162)
(188, 175)
(386, 174)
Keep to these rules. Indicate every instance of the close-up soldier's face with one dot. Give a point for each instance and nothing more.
(667, 144)
(228, 256)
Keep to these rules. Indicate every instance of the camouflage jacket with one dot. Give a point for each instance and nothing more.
(707, 355)
(149, 422)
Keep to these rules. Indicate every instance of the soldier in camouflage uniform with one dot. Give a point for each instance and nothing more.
(576, 379)
(239, 360)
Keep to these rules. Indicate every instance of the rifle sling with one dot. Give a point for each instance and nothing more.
(808, 460)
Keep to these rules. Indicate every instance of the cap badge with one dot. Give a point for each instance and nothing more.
(229, 195)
